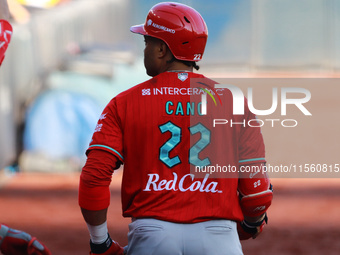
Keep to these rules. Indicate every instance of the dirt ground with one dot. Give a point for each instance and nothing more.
(304, 217)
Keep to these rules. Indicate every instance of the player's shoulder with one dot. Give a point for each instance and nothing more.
(123, 97)
(135, 89)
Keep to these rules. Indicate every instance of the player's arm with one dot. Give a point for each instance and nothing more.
(15, 242)
(94, 199)
(5, 29)
(256, 194)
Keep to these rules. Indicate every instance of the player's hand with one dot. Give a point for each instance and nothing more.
(109, 247)
(247, 230)
(15, 242)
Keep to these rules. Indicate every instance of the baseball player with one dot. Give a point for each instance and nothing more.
(12, 241)
(157, 130)
(16, 242)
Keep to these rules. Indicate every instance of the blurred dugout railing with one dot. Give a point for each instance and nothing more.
(40, 46)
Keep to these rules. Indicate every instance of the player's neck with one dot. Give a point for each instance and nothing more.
(178, 67)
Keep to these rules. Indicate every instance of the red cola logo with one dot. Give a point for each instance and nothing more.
(155, 184)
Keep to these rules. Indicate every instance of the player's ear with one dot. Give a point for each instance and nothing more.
(163, 49)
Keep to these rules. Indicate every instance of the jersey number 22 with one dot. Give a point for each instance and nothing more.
(175, 139)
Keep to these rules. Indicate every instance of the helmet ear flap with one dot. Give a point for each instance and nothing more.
(181, 27)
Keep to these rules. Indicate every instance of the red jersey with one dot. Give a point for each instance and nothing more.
(5, 37)
(158, 130)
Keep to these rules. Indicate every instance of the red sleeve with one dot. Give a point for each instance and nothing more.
(5, 37)
(108, 133)
(251, 148)
(95, 179)
(253, 179)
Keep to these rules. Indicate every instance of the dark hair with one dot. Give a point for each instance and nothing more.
(187, 63)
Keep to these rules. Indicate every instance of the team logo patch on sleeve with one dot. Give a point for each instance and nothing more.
(103, 116)
(183, 76)
(98, 128)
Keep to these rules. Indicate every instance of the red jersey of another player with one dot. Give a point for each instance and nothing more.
(5, 37)
(158, 131)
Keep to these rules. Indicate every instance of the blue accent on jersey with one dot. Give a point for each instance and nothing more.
(252, 159)
(107, 147)
(170, 144)
(199, 146)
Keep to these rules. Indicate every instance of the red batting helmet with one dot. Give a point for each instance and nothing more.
(181, 27)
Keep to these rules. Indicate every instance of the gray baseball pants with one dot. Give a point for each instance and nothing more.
(156, 237)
